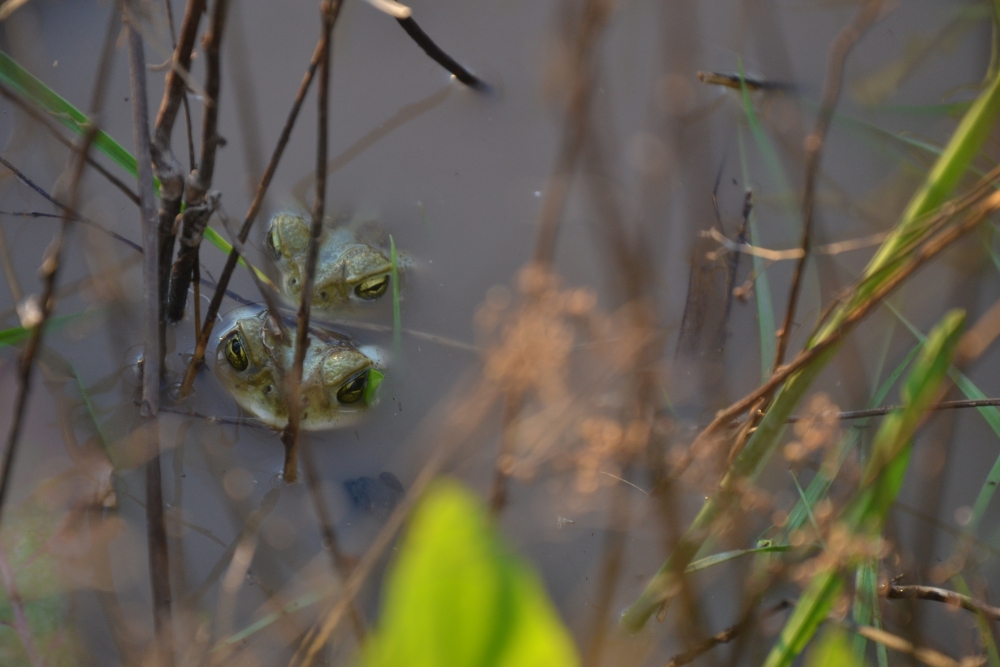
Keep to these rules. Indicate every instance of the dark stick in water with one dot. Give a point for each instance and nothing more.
(156, 529)
(330, 10)
(439, 56)
(167, 167)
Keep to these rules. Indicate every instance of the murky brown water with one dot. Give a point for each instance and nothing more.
(458, 178)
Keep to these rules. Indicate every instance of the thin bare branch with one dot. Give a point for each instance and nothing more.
(290, 437)
(150, 238)
(168, 169)
(329, 10)
(199, 202)
(928, 656)
(594, 17)
(841, 47)
(725, 636)
(951, 598)
(792, 253)
(878, 412)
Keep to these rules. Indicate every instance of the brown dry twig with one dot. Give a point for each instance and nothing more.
(894, 591)
(724, 637)
(841, 47)
(156, 531)
(199, 202)
(166, 165)
(329, 10)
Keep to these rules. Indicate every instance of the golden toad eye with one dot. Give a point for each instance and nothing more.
(353, 390)
(372, 288)
(236, 354)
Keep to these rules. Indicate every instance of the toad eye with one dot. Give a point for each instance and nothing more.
(372, 288)
(353, 390)
(236, 354)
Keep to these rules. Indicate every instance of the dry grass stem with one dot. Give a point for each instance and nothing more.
(841, 47)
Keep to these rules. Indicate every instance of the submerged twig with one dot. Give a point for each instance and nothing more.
(841, 47)
(439, 56)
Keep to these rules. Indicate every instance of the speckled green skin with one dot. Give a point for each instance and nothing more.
(344, 262)
(331, 361)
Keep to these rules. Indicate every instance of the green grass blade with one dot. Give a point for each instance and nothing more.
(965, 143)
(15, 335)
(982, 624)
(762, 286)
(809, 508)
(725, 556)
(397, 320)
(821, 482)
(989, 413)
(811, 610)
(880, 484)
(866, 610)
(222, 244)
(764, 144)
(32, 89)
(834, 650)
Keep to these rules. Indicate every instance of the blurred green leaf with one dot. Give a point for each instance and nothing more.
(15, 335)
(456, 596)
(833, 650)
